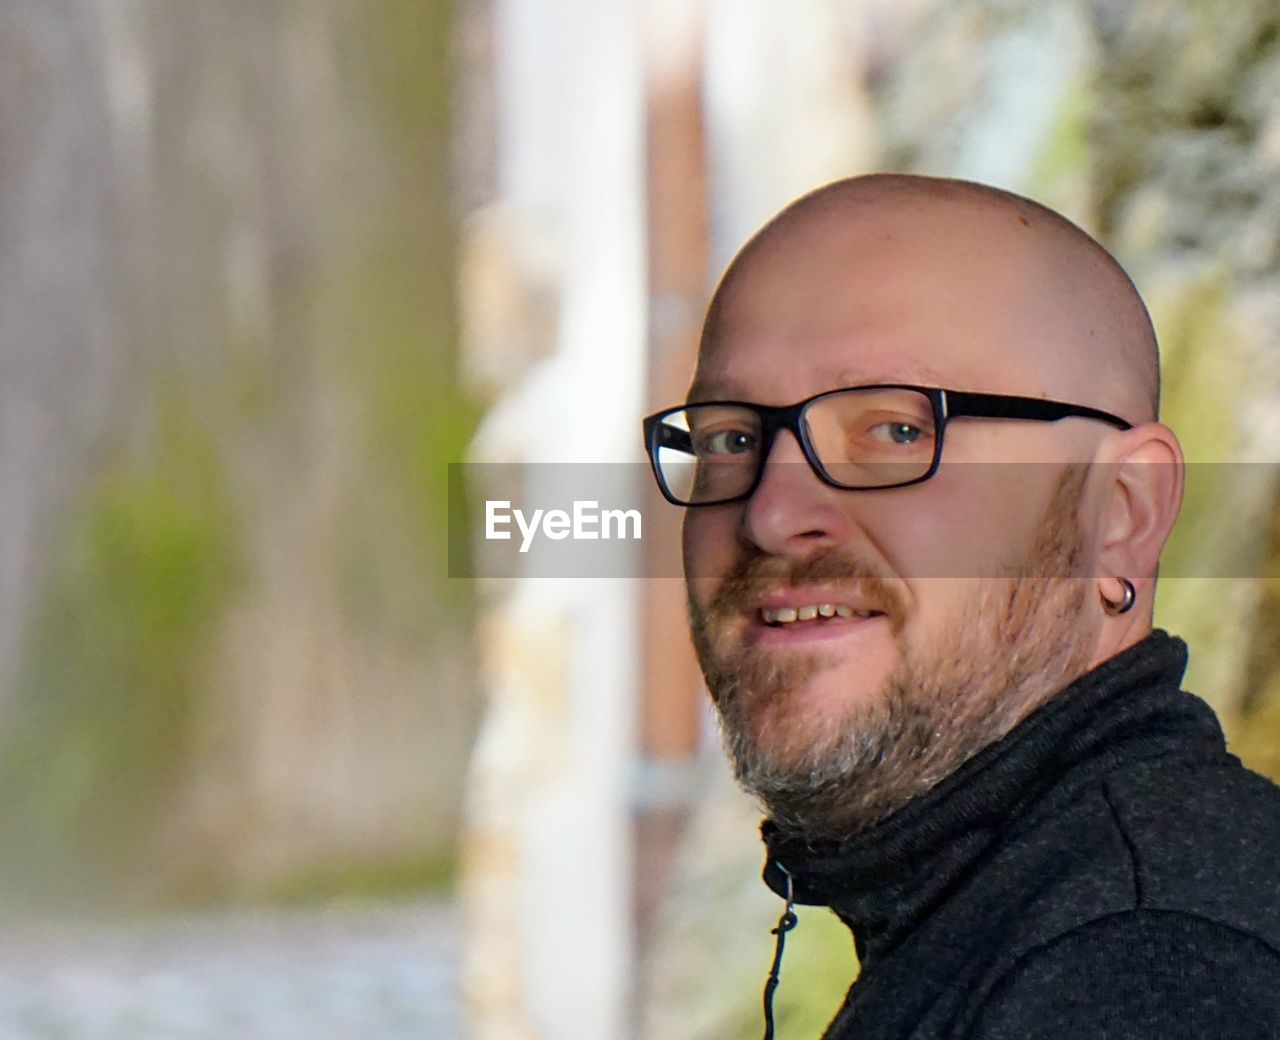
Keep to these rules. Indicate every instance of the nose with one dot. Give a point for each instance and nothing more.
(792, 512)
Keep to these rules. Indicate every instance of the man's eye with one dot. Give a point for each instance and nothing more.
(726, 442)
(897, 432)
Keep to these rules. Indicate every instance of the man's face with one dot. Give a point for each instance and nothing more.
(946, 633)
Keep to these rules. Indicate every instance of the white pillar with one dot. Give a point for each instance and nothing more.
(549, 849)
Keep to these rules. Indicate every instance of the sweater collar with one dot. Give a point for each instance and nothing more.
(884, 881)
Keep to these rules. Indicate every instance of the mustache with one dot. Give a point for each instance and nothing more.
(842, 571)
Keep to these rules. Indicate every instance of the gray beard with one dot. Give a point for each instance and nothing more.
(1024, 642)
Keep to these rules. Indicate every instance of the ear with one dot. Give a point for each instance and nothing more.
(1145, 471)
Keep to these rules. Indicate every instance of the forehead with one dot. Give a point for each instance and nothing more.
(904, 301)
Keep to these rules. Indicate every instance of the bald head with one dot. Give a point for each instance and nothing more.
(1019, 298)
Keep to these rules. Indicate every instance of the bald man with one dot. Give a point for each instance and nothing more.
(926, 495)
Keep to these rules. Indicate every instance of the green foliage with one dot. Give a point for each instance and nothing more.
(417, 421)
(818, 968)
(394, 303)
(1201, 379)
(413, 40)
(1065, 154)
(1199, 387)
(336, 880)
(366, 882)
(1255, 736)
(105, 709)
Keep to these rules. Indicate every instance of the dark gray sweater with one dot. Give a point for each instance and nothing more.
(1106, 871)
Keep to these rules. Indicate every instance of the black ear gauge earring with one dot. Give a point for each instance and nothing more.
(1126, 604)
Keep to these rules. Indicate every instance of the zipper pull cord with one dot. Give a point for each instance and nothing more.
(786, 922)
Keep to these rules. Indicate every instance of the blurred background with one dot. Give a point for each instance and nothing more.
(271, 765)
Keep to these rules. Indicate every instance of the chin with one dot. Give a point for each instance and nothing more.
(809, 717)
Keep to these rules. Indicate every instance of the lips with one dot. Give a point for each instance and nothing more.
(812, 606)
(780, 616)
(799, 618)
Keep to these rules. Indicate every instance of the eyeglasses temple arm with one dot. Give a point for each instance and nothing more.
(1000, 406)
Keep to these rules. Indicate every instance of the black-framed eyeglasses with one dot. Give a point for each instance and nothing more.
(862, 438)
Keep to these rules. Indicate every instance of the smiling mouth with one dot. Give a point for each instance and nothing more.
(780, 617)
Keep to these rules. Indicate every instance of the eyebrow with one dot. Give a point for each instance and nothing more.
(729, 389)
(700, 391)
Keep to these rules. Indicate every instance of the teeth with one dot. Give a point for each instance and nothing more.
(787, 615)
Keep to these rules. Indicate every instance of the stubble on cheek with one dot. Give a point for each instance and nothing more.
(758, 695)
(762, 694)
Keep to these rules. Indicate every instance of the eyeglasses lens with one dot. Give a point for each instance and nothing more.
(861, 439)
(708, 452)
(872, 438)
